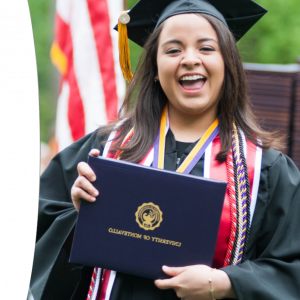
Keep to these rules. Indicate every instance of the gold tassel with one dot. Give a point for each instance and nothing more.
(124, 46)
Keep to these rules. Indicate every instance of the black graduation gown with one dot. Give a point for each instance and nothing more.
(272, 268)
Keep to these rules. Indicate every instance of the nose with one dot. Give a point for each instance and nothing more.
(191, 59)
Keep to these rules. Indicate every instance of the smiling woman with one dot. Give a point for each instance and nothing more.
(189, 44)
(191, 74)
(192, 115)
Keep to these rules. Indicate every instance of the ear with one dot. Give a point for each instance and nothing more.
(156, 78)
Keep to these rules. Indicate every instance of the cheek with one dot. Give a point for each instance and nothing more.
(217, 71)
(165, 76)
(166, 69)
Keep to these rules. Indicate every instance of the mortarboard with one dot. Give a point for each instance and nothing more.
(137, 24)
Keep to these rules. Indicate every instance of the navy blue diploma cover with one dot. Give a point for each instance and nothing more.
(145, 218)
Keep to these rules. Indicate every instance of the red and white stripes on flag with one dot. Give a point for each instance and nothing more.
(85, 51)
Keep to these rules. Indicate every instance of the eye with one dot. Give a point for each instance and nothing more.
(173, 51)
(207, 49)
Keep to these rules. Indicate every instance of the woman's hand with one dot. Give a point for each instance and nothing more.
(191, 283)
(82, 187)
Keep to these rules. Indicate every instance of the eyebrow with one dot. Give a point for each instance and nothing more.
(181, 43)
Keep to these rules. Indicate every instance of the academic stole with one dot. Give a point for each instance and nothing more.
(242, 172)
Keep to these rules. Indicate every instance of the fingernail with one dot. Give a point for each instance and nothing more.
(93, 199)
(93, 178)
(96, 193)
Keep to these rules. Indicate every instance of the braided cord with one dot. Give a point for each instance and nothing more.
(235, 245)
(238, 235)
(89, 295)
(248, 198)
(233, 211)
(242, 199)
(124, 143)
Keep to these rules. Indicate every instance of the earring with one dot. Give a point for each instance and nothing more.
(155, 80)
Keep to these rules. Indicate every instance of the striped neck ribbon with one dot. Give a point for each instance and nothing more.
(191, 160)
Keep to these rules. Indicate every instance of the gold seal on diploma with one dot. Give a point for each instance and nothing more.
(148, 216)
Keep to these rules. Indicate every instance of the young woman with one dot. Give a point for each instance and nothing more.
(191, 77)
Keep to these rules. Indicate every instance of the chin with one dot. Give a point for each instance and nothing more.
(193, 108)
(192, 111)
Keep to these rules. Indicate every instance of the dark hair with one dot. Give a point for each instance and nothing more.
(150, 99)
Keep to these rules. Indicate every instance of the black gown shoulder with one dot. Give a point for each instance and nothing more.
(52, 276)
(272, 268)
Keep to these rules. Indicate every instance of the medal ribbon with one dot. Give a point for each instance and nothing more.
(193, 157)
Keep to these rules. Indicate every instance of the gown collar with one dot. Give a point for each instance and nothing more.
(171, 144)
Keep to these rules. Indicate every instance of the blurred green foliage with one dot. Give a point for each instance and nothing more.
(42, 17)
(274, 39)
(135, 50)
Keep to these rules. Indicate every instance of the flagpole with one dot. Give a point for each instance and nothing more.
(125, 5)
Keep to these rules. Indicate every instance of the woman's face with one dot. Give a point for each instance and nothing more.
(190, 65)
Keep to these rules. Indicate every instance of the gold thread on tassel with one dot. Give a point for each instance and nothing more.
(124, 46)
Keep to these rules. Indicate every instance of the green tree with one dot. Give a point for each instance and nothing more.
(42, 16)
(275, 39)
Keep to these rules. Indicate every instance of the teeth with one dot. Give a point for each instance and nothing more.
(192, 77)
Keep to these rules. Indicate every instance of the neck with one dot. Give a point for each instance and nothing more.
(190, 128)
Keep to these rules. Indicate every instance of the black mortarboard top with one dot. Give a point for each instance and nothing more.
(238, 15)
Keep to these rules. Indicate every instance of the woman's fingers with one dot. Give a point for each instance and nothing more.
(84, 184)
(82, 187)
(172, 282)
(173, 271)
(85, 170)
(191, 282)
(95, 152)
(165, 284)
(78, 194)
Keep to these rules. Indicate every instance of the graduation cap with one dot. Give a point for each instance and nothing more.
(138, 23)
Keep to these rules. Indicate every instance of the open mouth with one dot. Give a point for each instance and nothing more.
(192, 82)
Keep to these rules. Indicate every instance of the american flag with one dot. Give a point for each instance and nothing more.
(85, 50)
